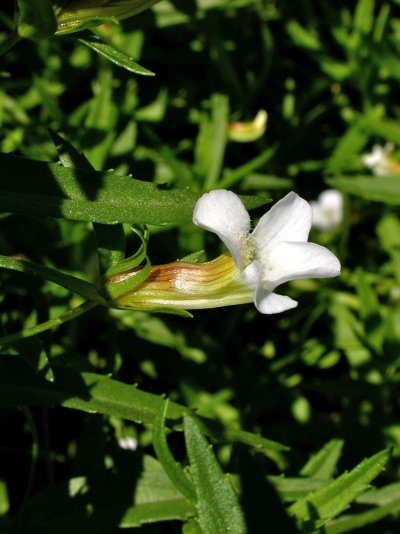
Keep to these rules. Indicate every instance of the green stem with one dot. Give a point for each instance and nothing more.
(52, 323)
(32, 469)
(10, 42)
(81, 287)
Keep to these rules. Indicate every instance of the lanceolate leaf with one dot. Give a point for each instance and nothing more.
(48, 190)
(93, 393)
(323, 463)
(114, 55)
(333, 498)
(172, 467)
(217, 503)
(379, 188)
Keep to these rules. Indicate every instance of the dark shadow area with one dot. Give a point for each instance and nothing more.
(262, 507)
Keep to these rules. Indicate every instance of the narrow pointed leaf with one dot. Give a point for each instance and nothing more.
(95, 393)
(323, 463)
(217, 503)
(336, 496)
(172, 468)
(115, 56)
(379, 188)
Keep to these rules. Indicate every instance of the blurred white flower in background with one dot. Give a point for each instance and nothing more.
(327, 210)
(128, 443)
(379, 161)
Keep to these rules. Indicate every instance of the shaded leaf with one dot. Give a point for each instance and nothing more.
(36, 18)
(48, 190)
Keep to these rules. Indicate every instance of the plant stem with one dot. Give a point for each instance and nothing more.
(81, 287)
(52, 323)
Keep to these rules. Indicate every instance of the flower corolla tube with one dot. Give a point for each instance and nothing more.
(275, 252)
(258, 261)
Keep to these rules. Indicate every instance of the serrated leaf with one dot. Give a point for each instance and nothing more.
(217, 504)
(115, 56)
(110, 238)
(48, 190)
(95, 393)
(336, 496)
(323, 463)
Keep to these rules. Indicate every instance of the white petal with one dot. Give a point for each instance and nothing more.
(252, 274)
(288, 220)
(265, 301)
(223, 213)
(268, 303)
(289, 261)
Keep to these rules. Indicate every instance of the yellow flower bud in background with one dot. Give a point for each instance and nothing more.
(247, 132)
(74, 15)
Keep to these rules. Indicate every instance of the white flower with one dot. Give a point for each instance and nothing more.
(128, 443)
(275, 252)
(378, 160)
(327, 211)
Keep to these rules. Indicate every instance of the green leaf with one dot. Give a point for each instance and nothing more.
(114, 55)
(349, 523)
(348, 146)
(293, 489)
(4, 501)
(116, 501)
(364, 16)
(171, 466)
(48, 190)
(77, 285)
(110, 238)
(382, 496)
(34, 353)
(323, 464)
(95, 393)
(380, 188)
(334, 497)
(302, 36)
(36, 18)
(217, 503)
(211, 142)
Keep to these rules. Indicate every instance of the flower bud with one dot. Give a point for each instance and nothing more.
(182, 286)
(246, 132)
(75, 15)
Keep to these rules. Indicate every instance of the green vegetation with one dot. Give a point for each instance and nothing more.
(230, 420)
